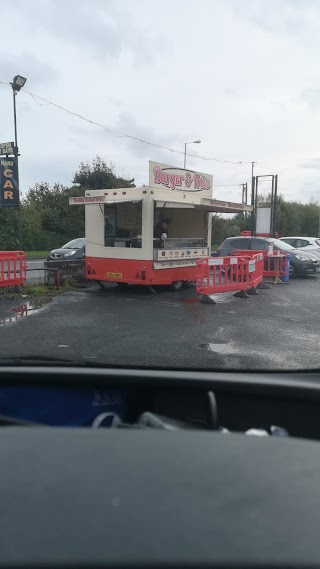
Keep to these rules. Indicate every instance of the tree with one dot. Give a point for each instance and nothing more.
(99, 176)
(8, 229)
(47, 218)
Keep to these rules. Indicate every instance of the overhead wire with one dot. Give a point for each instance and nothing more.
(114, 132)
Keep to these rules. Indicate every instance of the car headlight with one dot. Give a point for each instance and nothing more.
(303, 258)
(69, 254)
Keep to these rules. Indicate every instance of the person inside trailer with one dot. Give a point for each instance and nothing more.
(160, 228)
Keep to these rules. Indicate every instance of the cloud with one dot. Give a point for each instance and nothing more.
(30, 66)
(288, 16)
(102, 28)
(311, 97)
(128, 124)
(313, 164)
(240, 76)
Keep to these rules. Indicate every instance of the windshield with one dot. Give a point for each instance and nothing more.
(74, 244)
(158, 135)
(281, 245)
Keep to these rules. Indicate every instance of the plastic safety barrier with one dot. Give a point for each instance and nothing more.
(272, 269)
(228, 274)
(273, 264)
(248, 234)
(256, 275)
(13, 265)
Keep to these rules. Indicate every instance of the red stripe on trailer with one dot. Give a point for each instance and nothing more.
(136, 272)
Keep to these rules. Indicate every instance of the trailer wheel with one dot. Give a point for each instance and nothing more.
(177, 285)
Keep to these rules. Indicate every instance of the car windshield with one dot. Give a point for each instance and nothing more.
(74, 244)
(136, 139)
(282, 245)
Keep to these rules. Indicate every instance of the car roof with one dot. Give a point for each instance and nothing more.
(299, 237)
(246, 237)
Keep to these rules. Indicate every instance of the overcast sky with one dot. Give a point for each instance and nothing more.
(241, 75)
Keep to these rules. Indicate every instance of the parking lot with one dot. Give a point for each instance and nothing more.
(279, 329)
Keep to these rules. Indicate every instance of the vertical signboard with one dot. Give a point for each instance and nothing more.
(263, 223)
(9, 182)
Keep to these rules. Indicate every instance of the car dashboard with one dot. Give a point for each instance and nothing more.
(161, 469)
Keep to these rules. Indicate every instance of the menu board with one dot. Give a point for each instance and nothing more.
(174, 254)
(129, 216)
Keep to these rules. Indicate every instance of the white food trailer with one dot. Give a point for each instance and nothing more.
(119, 228)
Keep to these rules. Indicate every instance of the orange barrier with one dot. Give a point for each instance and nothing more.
(256, 275)
(248, 234)
(228, 274)
(275, 265)
(13, 265)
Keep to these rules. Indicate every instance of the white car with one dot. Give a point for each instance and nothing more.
(309, 244)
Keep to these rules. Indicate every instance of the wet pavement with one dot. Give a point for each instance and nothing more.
(13, 312)
(279, 329)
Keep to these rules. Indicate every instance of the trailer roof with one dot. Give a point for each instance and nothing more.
(165, 197)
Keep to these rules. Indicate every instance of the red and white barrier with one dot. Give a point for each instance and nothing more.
(275, 265)
(229, 274)
(13, 265)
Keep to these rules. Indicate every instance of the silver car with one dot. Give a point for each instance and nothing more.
(308, 244)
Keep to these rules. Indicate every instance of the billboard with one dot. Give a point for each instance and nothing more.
(166, 177)
(9, 182)
(263, 223)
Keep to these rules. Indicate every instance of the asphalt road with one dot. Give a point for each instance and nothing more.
(34, 275)
(279, 329)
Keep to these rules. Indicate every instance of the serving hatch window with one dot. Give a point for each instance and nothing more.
(186, 227)
(123, 224)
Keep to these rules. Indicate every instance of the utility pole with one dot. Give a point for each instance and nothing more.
(14, 92)
(185, 150)
(252, 199)
(17, 84)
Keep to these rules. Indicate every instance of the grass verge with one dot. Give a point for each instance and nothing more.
(36, 290)
(37, 254)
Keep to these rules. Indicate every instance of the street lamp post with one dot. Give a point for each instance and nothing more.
(185, 150)
(17, 84)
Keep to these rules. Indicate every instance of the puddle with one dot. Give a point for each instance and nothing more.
(28, 307)
(189, 300)
(219, 348)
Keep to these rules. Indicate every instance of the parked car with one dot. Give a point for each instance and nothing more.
(300, 263)
(309, 244)
(72, 250)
